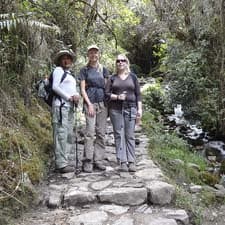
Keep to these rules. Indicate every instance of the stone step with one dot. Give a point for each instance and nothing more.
(108, 214)
(147, 185)
(110, 197)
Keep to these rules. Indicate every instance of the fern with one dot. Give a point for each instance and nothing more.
(11, 20)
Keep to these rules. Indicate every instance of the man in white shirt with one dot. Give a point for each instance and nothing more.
(64, 86)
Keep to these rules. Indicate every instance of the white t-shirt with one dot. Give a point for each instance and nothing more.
(65, 89)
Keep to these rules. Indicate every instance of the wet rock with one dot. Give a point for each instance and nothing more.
(215, 148)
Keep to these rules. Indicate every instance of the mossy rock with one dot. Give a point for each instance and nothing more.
(222, 167)
(209, 179)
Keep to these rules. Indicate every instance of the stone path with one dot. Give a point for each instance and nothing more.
(110, 197)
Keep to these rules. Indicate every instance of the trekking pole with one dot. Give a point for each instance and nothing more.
(77, 171)
(122, 126)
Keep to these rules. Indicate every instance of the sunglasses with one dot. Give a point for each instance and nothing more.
(121, 60)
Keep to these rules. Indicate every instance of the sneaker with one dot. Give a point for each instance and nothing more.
(100, 166)
(88, 167)
(66, 169)
(123, 167)
(132, 167)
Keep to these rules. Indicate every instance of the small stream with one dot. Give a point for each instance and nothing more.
(213, 150)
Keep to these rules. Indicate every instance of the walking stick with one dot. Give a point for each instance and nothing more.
(122, 127)
(77, 171)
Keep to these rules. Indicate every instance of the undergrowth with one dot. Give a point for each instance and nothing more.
(183, 165)
(25, 149)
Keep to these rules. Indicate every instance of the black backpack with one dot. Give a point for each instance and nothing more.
(45, 91)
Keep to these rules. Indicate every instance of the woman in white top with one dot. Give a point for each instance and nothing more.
(64, 86)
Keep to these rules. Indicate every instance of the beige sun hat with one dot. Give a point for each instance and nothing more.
(61, 53)
(92, 47)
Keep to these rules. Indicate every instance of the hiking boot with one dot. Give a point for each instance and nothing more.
(88, 167)
(100, 166)
(66, 169)
(123, 167)
(132, 167)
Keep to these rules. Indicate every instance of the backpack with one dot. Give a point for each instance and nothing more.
(45, 91)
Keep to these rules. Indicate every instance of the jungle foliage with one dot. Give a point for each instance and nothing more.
(181, 40)
(195, 58)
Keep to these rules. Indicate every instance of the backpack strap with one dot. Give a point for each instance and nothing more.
(63, 76)
(60, 99)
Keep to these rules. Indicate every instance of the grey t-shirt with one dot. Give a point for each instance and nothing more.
(95, 82)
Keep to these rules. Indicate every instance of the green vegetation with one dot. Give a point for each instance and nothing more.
(173, 153)
(25, 145)
(180, 43)
(183, 166)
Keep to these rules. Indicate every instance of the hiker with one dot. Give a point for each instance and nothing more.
(125, 109)
(63, 108)
(92, 83)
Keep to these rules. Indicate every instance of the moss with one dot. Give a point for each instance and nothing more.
(222, 167)
(24, 147)
(35, 169)
(210, 179)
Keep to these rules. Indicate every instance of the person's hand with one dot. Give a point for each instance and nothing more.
(91, 111)
(138, 117)
(122, 96)
(139, 113)
(76, 98)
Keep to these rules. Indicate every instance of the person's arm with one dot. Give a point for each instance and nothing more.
(108, 90)
(91, 111)
(139, 109)
(84, 93)
(105, 74)
(138, 98)
(57, 76)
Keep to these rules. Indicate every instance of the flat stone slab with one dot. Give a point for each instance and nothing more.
(76, 197)
(179, 215)
(150, 174)
(124, 220)
(114, 209)
(123, 196)
(89, 218)
(97, 186)
(154, 220)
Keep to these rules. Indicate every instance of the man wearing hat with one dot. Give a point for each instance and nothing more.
(93, 77)
(64, 85)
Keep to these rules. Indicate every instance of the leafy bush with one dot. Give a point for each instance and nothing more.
(153, 99)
